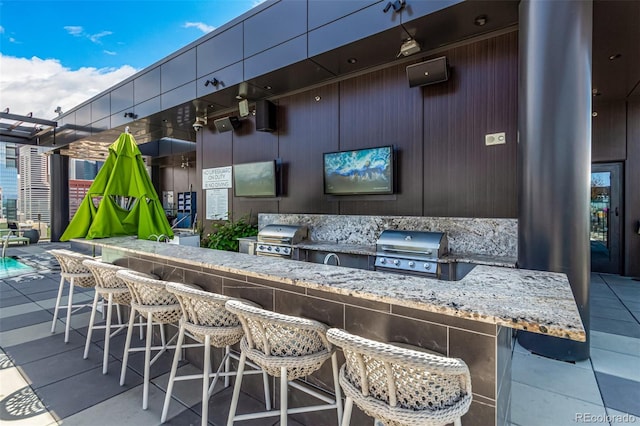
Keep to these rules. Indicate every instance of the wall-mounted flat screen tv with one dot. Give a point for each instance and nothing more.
(362, 171)
(255, 179)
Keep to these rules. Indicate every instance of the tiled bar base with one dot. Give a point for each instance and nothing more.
(486, 348)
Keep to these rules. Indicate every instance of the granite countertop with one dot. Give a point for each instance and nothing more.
(337, 247)
(536, 301)
(481, 259)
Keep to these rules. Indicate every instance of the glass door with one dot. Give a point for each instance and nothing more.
(606, 217)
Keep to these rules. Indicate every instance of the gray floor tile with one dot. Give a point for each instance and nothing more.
(618, 314)
(24, 320)
(620, 394)
(76, 393)
(567, 379)
(615, 343)
(618, 418)
(616, 364)
(10, 311)
(12, 301)
(48, 346)
(33, 332)
(531, 406)
(622, 328)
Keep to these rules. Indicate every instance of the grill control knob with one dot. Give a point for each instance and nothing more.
(277, 249)
(269, 248)
(383, 260)
(396, 262)
(260, 247)
(427, 266)
(412, 264)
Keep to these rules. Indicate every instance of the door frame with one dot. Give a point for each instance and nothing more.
(615, 219)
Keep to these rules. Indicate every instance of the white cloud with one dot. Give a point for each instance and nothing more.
(40, 85)
(78, 31)
(74, 30)
(199, 25)
(13, 40)
(1, 29)
(96, 37)
(110, 52)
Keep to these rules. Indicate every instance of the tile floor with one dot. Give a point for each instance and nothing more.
(46, 382)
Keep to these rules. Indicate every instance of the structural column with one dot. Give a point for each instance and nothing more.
(554, 153)
(59, 195)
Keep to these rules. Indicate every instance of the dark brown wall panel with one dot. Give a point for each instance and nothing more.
(609, 133)
(632, 192)
(307, 129)
(462, 176)
(250, 146)
(380, 109)
(217, 151)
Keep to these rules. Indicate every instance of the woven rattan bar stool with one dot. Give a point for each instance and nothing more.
(150, 298)
(114, 290)
(73, 271)
(401, 386)
(208, 321)
(287, 347)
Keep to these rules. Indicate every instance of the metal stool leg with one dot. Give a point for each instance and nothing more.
(69, 308)
(91, 320)
(127, 346)
(284, 396)
(55, 312)
(107, 336)
(147, 362)
(236, 389)
(336, 385)
(172, 376)
(206, 367)
(346, 416)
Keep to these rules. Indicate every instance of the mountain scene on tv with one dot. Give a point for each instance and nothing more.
(366, 171)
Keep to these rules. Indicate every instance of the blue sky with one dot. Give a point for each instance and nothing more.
(64, 52)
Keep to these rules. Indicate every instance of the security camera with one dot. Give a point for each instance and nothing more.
(199, 124)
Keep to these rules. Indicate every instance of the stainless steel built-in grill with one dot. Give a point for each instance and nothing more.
(278, 240)
(411, 252)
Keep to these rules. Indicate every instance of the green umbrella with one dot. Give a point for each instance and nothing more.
(129, 204)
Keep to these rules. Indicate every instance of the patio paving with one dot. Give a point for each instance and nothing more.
(44, 381)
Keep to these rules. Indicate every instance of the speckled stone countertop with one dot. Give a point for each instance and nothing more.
(338, 248)
(535, 301)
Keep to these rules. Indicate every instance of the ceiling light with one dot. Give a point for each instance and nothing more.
(614, 57)
(267, 87)
(409, 47)
(352, 60)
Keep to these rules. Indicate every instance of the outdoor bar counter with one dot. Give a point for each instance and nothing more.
(471, 319)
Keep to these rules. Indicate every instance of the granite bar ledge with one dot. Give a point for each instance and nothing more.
(536, 301)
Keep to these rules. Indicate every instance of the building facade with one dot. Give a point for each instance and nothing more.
(9, 180)
(34, 196)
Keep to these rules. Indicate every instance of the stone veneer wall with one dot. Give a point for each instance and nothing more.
(485, 236)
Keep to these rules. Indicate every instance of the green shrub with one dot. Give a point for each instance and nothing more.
(225, 233)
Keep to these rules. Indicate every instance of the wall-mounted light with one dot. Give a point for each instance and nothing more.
(409, 47)
(215, 82)
(397, 6)
(480, 20)
(58, 111)
(130, 115)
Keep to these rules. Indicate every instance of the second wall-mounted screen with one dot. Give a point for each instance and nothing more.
(362, 171)
(255, 179)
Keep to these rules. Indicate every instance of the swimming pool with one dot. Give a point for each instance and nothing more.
(10, 267)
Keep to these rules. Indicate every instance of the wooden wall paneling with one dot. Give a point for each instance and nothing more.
(381, 109)
(251, 146)
(609, 131)
(307, 129)
(462, 176)
(632, 192)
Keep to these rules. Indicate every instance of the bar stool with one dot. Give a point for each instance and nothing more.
(399, 385)
(287, 347)
(73, 271)
(110, 287)
(150, 298)
(205, 317)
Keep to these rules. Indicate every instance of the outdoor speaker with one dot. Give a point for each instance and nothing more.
(428, 72)
(226, 124)
(265, 116)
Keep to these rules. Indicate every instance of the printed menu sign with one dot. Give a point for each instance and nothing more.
(217, 204)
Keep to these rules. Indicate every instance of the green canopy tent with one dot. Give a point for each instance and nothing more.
(129, 204)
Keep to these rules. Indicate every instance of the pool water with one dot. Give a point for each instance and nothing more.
(10, 267)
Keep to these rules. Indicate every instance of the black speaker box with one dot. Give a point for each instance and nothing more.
(265, 116)
(226, 124)
(428, 72)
